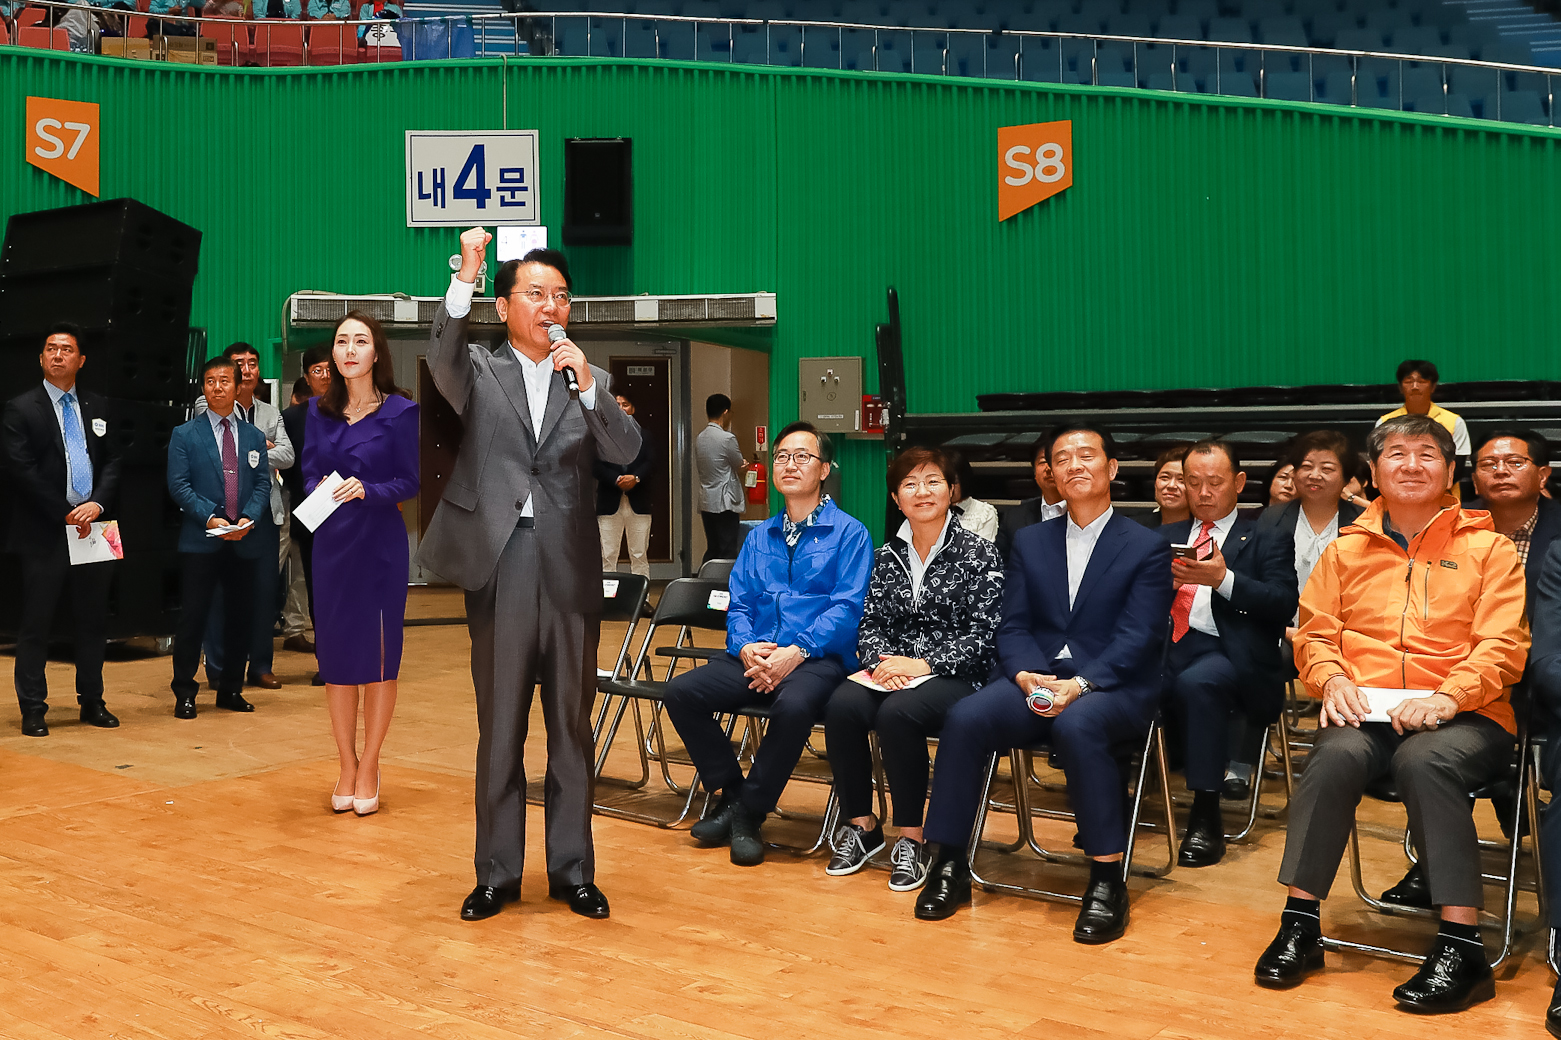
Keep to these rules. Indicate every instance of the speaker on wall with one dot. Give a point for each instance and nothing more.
(598, 191)
(114, 233)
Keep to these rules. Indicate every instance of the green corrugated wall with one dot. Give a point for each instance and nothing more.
(1206, 242)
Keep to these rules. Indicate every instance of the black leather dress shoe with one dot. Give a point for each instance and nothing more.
(716, 829)
(947, 889)
(747, 839)
(184, 707)
(1454, 976)
(1295, 953)
(97, 715)
(585, 900)
(486, 901)
(233, 702)
(1235, 789)
(1411, 891)
(1103, 917)
(1204, 843)
(33, 725)
(214, 681)
(1553, 1015)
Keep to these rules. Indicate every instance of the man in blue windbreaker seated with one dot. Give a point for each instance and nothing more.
(796, 599)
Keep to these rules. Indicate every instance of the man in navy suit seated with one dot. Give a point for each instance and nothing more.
(1234, 597)
(219, 474)
(1086, 604)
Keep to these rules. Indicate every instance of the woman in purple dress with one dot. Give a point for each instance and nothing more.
(365, 429)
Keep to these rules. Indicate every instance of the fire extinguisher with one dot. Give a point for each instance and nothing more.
(757, 480)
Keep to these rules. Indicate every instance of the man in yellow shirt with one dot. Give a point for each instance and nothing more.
(1417, 382)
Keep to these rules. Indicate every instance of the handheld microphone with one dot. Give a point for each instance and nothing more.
(556, 334)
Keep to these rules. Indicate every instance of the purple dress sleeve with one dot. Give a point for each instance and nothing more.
(402, 482)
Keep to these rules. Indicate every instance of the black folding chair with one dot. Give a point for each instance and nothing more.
(717, 570)
(624, 597)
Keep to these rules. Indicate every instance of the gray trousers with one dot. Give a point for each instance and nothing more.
(520, 639)
(1433, 773)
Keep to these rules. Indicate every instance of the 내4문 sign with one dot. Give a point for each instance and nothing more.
(461, 178)
(1034, 163)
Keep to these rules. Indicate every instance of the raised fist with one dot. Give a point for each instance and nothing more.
(474, 245)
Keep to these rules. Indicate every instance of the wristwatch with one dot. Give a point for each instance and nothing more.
(1084, 684)
(803, 651)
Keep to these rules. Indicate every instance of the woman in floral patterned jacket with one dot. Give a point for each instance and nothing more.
(926, 640)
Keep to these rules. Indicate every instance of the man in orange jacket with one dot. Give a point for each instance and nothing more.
(1416, 596)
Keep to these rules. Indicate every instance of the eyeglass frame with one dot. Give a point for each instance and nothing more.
(785, 458)
(568, 297)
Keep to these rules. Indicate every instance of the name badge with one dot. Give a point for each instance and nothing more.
(254, 459)
(609, 588)
(719, 599)
(99, 427)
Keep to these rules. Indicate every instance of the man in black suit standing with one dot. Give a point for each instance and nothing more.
(67, 474)
(1048, 506)
(1235, 593)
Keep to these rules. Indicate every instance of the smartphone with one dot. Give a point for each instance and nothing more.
(1182, 552)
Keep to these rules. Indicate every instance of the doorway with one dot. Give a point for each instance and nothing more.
(647, 383)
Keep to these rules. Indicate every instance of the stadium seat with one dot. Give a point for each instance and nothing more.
(1230, 30)
(1459, 105)
(1110, 78)
(42, 37)
(748, 46)
(1271, 62)
(279, 43)
(1282, 31)
(331, 44)
(1415, 40)
(5, 34)
(928, 55)
(1358, 40)
(856, 49)
(785, 46)
(1202, 10)
(29, 16)
(232, 41)
(1002, 56)
(1288, 86)
(1423, 91)
(1517, 106)
(1040, 60)
(1180, 27)
(1133, 23)
(821, 48)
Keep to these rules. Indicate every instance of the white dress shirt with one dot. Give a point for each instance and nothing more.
(1309, 546)
(55, 393)
(538, 374)
(1052, 510)
(1201, 617)
(1080, 542)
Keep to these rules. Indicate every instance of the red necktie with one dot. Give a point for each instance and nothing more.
(1181, 607)
(230, 471)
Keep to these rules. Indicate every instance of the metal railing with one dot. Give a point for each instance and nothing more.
(1383, 80)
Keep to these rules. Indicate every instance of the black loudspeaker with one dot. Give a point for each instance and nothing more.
(123, 301)
(598, 191)
(118, 232)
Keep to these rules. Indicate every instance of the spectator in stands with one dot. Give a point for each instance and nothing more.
(281, 9)
(720, 464)
(329, 10)
(1455, 633)
(623, 502)
(1281, 483)
(1235, 592)
(1170, 492)
(386, 9)
(1509, 471)
(925, 643)
(64, 478)
(1049, 506)
(223, 9)
(298, 612)
(1081, 672)
(1417, 381)
(168, 26)
(250, 407)
(227, 488)
(974, 515)
(791, 629)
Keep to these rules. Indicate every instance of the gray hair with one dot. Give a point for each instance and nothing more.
(1411, 426)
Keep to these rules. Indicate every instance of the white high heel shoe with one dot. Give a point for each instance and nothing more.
(340, 802)
(367, 806)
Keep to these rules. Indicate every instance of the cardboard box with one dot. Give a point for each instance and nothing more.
(186, 50)
(121, 47)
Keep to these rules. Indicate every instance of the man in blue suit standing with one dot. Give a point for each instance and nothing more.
(1086, 605)
(219, 474)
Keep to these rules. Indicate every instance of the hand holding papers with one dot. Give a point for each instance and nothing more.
(100, 546)
(222, 530)
(314, 510)
(865, 677)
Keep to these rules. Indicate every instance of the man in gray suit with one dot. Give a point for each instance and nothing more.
(720, 461)
(517, 530)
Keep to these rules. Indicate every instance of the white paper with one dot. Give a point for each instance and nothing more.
(222, 529)
(609, 588)
(865, 677)
(313, 511)
(1381, 700)
(720, 599)
(101, 546)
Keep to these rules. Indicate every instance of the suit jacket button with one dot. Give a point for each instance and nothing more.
(535, 471)
(519, 504)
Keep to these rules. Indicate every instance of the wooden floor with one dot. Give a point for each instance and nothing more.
(187, 879)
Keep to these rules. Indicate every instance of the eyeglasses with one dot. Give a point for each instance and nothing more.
(1515, 463)
(932, 486)
(320, 370)
(786, 458)
(540, 296)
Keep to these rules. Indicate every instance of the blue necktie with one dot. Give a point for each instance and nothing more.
(76, 449)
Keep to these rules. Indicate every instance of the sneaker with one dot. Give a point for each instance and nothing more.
(912, 860)
(853, 848)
